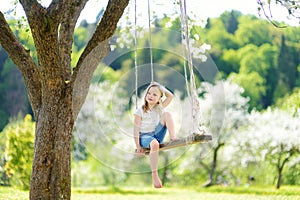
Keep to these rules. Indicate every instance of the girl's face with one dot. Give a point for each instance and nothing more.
(153, 95)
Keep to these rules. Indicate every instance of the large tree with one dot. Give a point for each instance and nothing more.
(56, 91)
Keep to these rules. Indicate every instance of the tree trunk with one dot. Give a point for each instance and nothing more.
(51, 172)
(279, 179)
(210, 180)
(282, 161)
(280, 165)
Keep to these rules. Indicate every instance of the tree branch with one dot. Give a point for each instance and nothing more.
(27, 4)
(21, 57)
(33, 10)
(267, 16)
(80, 86)
(66, 32)
(56, 7)
(291, 6)
(36, 14)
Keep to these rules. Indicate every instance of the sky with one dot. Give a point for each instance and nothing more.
(200, 8)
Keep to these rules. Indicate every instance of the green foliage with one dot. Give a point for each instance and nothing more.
(257, 65)
(286, 65)
(271, 140)
(3, 119)
(231, 56)
(97, 131)
(292, 175)
(217, 35)
(75, 56)
(3, 175)
(255, 46)
(14, 99)
(88, 172)
(256, 32)
(240, 44)
(290, 102)
(22, 31)
(102, 74)
(81, 37)
(254, 84)
(19, 151)
(230, 20)
(248, 174)
(189, 176)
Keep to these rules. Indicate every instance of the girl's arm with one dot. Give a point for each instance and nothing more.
(136, 134)
(169, 97)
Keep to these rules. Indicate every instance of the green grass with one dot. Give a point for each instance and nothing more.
(261, 190)
(9, 193)
(147, 193)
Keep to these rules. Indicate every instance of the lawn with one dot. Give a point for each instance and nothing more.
(126, 193)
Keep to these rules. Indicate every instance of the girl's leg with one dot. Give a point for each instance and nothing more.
(154, 148)
(168, 121)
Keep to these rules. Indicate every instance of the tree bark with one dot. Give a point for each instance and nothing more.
(279, 179)
(281, 163)
(57, 93)
(210, 180)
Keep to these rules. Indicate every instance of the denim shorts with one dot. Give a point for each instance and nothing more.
(158, 134)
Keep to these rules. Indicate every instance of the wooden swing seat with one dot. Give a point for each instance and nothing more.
(191, 139)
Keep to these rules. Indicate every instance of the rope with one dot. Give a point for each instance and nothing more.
(135, 56)
(193, 91)
(150, 40)
(189, 54)
(135, 52)
(184, 52)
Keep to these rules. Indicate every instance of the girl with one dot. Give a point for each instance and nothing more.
(151, 123)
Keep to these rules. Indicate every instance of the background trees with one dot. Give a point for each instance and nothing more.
(101, 137)
(18, 152)
(260, 58)
(277, 146)
(224, 113)
(275, 60)
(254, 56)
(14, 96)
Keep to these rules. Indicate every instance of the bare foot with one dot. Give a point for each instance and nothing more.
(156, 180)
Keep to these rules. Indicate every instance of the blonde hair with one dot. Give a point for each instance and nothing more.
(161, 89)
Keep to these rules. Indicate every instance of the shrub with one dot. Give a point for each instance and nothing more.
(19, 151)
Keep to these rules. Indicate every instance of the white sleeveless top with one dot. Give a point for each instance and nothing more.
(150, 119)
